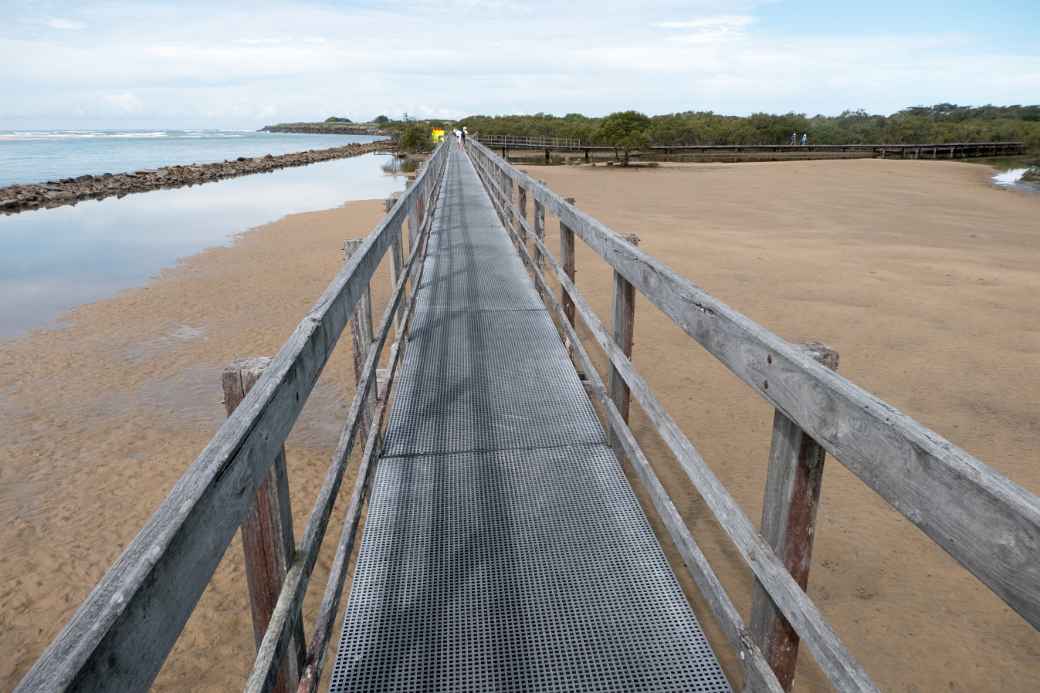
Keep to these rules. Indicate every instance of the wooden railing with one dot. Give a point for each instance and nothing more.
(932, 150)
(120, 636)
(985, 521)
(527, 142)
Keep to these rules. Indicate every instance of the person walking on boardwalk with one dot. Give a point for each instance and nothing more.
(805, 138)
(465, 133)
(794, 138)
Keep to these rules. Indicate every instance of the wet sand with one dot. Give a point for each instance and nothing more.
(101, 418)
(919, 273)
(925, 278)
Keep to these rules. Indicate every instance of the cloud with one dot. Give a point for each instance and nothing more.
(728, 21)
(124, 102)
(65, 24)
(194, 64)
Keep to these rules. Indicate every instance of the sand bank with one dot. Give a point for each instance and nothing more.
(925, 278)
(101, 418)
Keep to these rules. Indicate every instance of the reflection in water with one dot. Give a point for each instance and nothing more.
(52, 260)
(395, 165)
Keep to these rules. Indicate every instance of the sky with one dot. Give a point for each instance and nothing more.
(191, 64)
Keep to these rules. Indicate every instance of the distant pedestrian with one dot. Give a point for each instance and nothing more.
(805, 138)
(794, 138)
(465, 133)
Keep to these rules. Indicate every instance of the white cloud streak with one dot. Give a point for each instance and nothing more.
(64, 24)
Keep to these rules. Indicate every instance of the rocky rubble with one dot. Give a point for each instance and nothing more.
(69, 191)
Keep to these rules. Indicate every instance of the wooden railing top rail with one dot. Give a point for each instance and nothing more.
(122, 633)
(985, 521)
(535, 142)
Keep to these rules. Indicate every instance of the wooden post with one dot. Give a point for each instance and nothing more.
(361, 339)
(507, 192)
(789, 526)
(624, 319)
(396, 263)
(539, 230)
(267, 533)
(522, 195)
(567, 261)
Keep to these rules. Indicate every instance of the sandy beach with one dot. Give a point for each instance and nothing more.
(102, 417)
(922, 275)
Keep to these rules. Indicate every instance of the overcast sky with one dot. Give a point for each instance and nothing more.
(242, 65)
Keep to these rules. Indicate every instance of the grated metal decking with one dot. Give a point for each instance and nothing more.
(503, 547)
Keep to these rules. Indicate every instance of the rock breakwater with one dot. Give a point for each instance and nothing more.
(69, 191)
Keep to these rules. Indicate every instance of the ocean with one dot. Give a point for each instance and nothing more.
(42, 155)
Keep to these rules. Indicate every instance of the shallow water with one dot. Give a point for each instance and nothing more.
(52, 260)
(33, 157)
(1012, 178)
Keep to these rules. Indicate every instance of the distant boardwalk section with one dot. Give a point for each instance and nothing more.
(934, 150)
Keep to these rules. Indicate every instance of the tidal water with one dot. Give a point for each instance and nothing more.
(1012, 178)
(42, 155)
(52, 260)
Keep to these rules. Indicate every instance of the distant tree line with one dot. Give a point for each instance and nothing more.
(919, 124)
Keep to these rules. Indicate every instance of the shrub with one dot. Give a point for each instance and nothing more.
(414, 138)
(625, 130)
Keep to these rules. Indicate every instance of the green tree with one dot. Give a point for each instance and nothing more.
(625, 130)
(414, 138)
(337, 119)
(381, 120)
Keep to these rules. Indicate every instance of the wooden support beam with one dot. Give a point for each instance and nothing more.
(789, 525)
(567, 260)
(624, 318)
(539, 230)
(508, 188)
(522, 204)
(361, 340)
(414, 214)
(267, 532)
(396, 261)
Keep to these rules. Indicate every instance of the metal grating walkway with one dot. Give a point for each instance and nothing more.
(504, 550)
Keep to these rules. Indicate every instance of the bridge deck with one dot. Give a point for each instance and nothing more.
(503, 547)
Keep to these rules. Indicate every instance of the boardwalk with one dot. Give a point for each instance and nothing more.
(504, 548)
(930, 150)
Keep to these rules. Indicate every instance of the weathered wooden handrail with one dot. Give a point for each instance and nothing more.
(276, 640)
(985, 521)
(757, 668)
(124, 630)
(917, 150)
